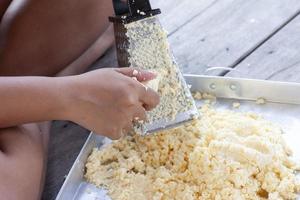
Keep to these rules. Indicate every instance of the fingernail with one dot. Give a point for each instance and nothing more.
(135, 72)
(154, 73)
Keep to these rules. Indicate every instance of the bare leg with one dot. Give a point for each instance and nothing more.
(92, 54)
(46, 36)
(22, 162)
(3, 6)
(41, 38)
(23, 158)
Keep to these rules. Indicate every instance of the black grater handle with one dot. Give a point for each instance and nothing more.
(132, 10)
(133, 7)
(121, 7)
(138, 7)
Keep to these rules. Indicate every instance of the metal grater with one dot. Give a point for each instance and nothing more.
(135, 24)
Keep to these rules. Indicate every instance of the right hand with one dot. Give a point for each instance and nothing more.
(108, 101)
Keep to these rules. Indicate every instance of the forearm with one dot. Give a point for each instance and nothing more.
(30, 99)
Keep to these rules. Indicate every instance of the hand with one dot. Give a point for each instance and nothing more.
(107, 101)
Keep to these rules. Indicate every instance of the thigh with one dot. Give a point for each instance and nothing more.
(3, 6)
(22, 162)
(49, 34)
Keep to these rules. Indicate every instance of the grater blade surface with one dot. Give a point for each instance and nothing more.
(143, 44)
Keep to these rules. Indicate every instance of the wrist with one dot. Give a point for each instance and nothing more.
(61, 98)
(67, 95)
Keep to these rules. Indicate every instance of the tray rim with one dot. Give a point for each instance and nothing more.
(241, 79)
(284, 92)
(63, 187)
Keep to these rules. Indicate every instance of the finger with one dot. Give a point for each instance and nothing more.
(149, 98)
(114, 133)
(140, 75)
(127, 128)
(139, 114)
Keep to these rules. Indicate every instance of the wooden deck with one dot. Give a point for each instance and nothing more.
(259, 39)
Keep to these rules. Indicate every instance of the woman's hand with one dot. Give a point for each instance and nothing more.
(107, 101)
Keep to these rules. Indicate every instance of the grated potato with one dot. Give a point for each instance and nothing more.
(236, 105)
(149, 49)
(197, 95)
(260, 101)
(223, 155)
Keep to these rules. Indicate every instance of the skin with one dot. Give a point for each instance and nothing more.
(90, 100)
(40, 39)
(54, 33)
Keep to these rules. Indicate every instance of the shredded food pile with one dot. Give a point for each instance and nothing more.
(223, 155)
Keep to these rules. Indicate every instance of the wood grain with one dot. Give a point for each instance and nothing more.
(227, 31)
(278, 59)
(176, 13)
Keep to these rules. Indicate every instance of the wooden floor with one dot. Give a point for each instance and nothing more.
(258, 39)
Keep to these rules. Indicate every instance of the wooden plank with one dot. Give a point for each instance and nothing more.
(278, 59)
(176, 13)
(227, 31)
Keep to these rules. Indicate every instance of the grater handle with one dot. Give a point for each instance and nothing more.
(134, 7)
(128, 11)
(137, 6)
(121, 7)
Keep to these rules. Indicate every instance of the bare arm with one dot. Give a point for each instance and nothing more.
(30, 99)
(105, 101)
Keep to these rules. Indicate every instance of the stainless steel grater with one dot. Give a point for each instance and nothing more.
(142, 42)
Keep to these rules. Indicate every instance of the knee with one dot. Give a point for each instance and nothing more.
(20, 141)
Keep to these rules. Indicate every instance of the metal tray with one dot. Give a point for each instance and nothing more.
(282, 107)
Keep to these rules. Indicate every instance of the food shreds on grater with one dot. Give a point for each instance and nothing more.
(142, 43)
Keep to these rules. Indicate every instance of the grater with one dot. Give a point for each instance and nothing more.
(142, 42)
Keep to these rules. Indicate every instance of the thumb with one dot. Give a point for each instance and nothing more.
(140, 75)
